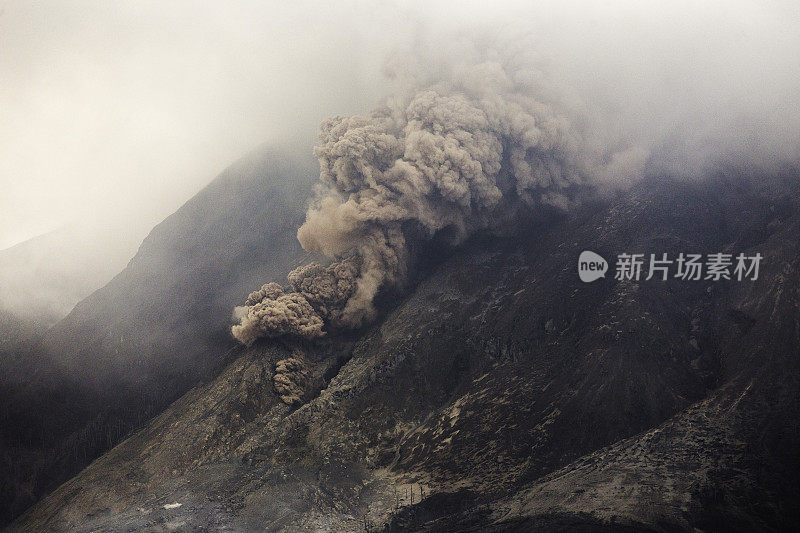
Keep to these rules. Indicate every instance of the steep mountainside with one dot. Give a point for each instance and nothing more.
(503, 394)
(166, 315)
(15, 332)
(155, 330)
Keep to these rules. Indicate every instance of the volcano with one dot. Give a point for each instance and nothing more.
(502, 393)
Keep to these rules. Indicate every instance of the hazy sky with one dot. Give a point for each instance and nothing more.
(124, 109)
(118, 112)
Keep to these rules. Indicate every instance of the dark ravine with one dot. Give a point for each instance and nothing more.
(506, 394)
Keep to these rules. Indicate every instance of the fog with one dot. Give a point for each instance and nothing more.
(126, 109)
(521, 115)
(114, 114)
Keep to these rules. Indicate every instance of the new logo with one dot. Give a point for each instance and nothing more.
(591, 266)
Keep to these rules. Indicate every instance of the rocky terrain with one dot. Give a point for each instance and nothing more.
(502, 393)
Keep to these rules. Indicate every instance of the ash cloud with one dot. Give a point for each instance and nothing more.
(459, 153)
(328, 289)
(574, 99)
(276, 316)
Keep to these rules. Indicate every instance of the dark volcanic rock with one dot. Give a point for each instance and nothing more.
(505, 395)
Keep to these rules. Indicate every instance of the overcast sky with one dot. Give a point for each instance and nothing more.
(121, 111)
(112, 109)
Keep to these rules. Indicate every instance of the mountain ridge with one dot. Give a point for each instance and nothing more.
(510, 394)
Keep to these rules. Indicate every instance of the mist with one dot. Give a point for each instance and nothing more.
(484, 124)
(116, 114)
(127, 109)
(396, 194)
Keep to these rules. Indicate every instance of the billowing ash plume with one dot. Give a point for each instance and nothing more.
(327, 289)
(270, 312)
(457, 154)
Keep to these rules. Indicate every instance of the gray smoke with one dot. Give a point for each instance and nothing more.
(269, 312)
(328, 289)
(479, 128)
(453, 154)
